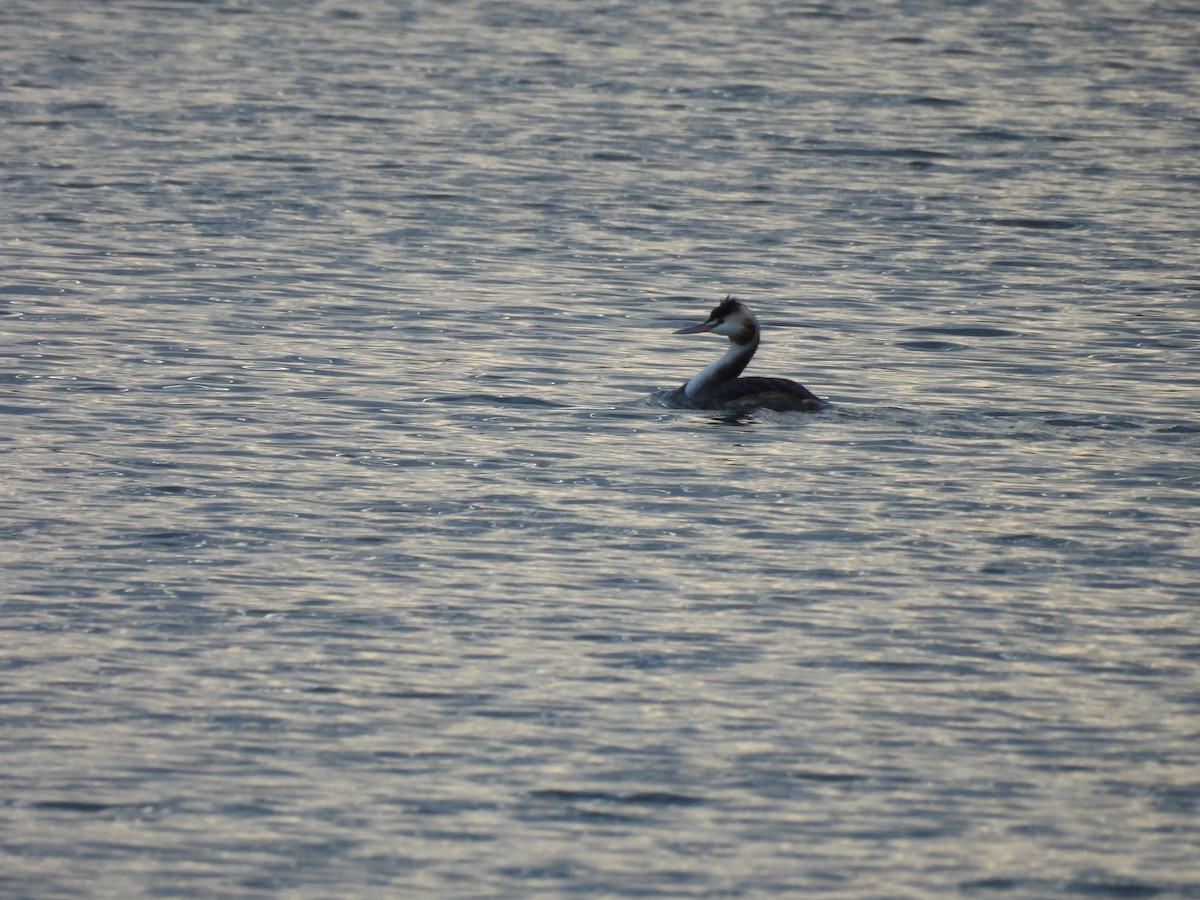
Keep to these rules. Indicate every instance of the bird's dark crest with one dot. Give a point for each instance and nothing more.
(727, 307)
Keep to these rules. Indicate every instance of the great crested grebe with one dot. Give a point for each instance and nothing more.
(717, 385)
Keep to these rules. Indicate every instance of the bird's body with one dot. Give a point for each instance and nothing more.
(719, 385)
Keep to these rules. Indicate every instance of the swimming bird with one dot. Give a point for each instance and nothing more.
(717, 385)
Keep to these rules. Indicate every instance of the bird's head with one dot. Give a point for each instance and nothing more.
(731, 318)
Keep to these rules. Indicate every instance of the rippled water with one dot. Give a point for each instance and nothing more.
(347, 553)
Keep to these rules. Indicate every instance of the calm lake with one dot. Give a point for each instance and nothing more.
(349, 550)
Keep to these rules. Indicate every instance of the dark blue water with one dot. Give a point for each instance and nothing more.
(346, 552)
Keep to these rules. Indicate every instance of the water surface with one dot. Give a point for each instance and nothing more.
(345, 554)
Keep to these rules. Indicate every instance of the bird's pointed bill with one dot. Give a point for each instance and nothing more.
(699, 329)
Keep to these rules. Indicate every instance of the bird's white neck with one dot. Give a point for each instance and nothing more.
(731, 364)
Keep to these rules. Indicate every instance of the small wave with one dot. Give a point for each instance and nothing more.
(1030, 222)
(1104, 423)
(495, 399)
(963, 330)
(76, 806)
(930, 346)
(645, 798)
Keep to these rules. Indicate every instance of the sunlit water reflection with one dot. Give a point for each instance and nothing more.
(348, 553)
